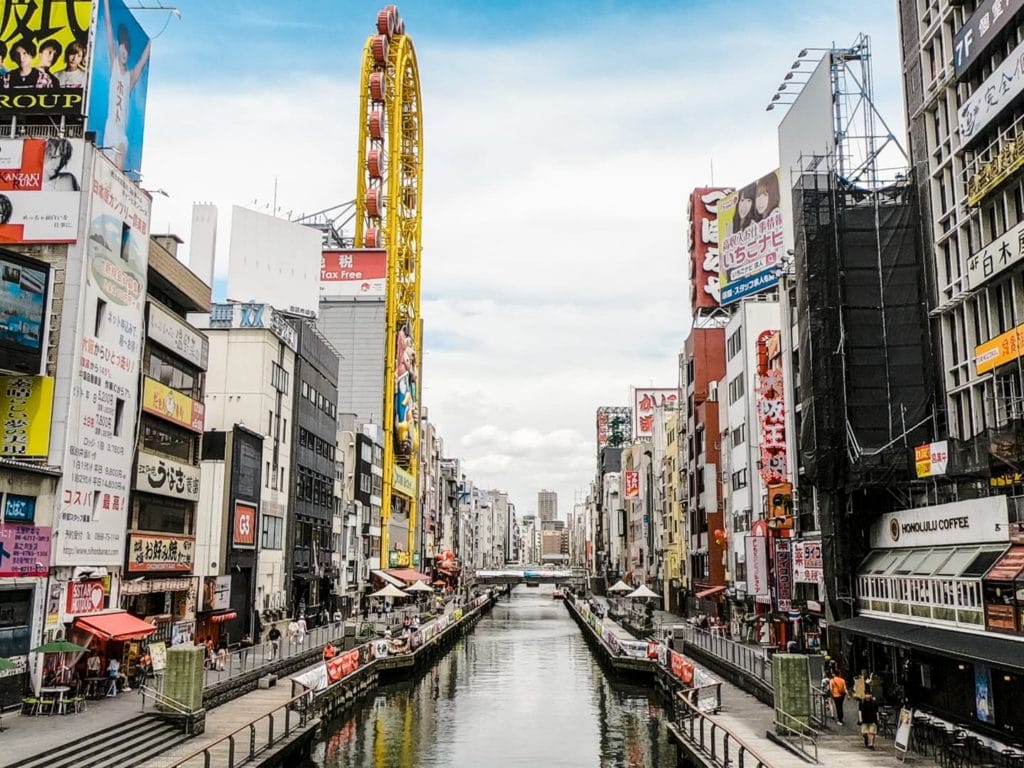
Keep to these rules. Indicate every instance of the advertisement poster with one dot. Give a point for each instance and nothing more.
(614, 426)
(120, 73)
(632, 483)
(244, 527)
(645, 401)
(85, 597)
(40, 189)
(158, 655)
(24, 550)
(705, 292)
(160, 552)
(406, 393)
(750, 229)
(783, 574)
(46, 57)
(355, 272)
(808, 566)
(93, 501)
(23, 290)
(216, 593)
(26, 403)
(983, 704)
(931, 460)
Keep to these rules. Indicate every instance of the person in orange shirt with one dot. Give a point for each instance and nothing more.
(837, 687)
(329, 651)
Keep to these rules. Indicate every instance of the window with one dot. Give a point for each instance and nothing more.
(739, 479)
(273, 532)
(161, 437)
(739, 435)
(279, 378)
(735, 344)
(163, 514)
(171, 373)
(270, 423)
(736, 389)
(305, 390)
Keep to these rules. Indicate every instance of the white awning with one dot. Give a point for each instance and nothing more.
(389, 579)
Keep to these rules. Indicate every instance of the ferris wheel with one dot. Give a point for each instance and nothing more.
(388, 216)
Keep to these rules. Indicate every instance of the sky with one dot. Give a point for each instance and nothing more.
(561, 141)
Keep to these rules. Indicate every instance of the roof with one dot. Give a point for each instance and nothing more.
(27, 466)
(407, 575)
(1000, 652)
(120, 625)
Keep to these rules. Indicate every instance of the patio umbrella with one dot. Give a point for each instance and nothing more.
(419, 586)
(60, 646)
(620, 586)
(6, 664)
(642, 593)
(389, 590)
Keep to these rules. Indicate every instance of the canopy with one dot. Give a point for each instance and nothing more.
(60, 646)
(710, 591)
(419, 586)
(388, 590)
(120, 625)
(620, 586)
(641, 593)
(6, 664)
(407, 574)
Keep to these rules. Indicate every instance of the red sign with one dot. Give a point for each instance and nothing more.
(705, 293)
(681, 668)
(771, 413)
(244, 529)
(85, 596)
(632, 484)
(342, 666)
(645, 401)
(354, 272)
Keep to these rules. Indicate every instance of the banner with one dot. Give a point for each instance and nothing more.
(645, 401)
(771, 414)
(46, 57)
(24, 550)
(681, 668)
(783, 575)
(160, 552)
(40, 189)
(342, 666)
(757, 565)
(26, 403)
(315, 679)
(120, 76)
(705, 292)
(354, 272)
(750, 227)
(1003, 349)
(808, 566)
(632, 484)
(170, 404)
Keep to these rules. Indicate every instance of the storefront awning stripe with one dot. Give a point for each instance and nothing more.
(710, 592)
(115, 626)
(407, 575)
(999, 652)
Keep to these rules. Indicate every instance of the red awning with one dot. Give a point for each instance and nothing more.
(710, 592)
(115, 626)
(407, 574)
(226, 616)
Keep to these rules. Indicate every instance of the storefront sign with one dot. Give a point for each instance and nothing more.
(243, 534)
(182, 632)
(403, 482)
(85, 597)
(1002, 253)
(166, 477)
(757, 565)
(158, 656)
(25, 406)
(980, 30)
(150, 586)
(170, 332)
(992, 97)
(783, 575)
(160, 552)
(990, 175)
(808, 566)
(1003, 349)
(24, 550)
(161, 400)
(771, 413)
(963, 522)
(216, 593)
(632, 489)
(930, 460)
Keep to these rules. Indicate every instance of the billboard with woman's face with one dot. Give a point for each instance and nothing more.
(750, 232)
(406, 394)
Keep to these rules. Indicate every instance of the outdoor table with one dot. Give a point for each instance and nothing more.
(58, 691)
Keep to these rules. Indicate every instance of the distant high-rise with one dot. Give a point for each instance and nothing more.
(547, 505)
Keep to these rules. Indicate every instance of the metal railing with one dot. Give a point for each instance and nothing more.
(749, 659)
(797, 734)
(712, 739)
(160, 699)
(255, 737)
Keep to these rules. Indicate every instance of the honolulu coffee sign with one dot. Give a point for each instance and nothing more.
(963, 522)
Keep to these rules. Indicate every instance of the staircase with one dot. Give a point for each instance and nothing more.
(124, 745)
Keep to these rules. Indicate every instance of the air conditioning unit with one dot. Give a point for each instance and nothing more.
(713, 392)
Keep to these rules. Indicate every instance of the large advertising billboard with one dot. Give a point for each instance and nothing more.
(26, 405)
(40, 189)
(120, 74)
(44, 57)
(93, 505)
(353, 272)
(645, 401)
(614, 426)
(705, 293)
(406, 394)
(23, 288)
(750, 228)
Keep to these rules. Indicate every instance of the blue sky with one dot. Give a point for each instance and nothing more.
(561, 141)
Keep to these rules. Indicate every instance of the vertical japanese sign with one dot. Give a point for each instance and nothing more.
(705, 293)
(645, 401)
(771, 413)
(93, 501)
(632, 483)
(783, 574)
(750, 228)
(26, 403)
(808, 567)
(757, 565)
(614, 426)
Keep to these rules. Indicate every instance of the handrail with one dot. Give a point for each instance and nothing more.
(162, 698)
(801, 731)
(691, 726)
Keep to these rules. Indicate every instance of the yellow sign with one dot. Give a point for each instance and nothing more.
(923, 460)
(403, 482)
(161, 400)
(1004, 348)
(993, 173)
(26, 403)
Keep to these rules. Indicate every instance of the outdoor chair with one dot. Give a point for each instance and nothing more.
(29, 705)
(46, 706)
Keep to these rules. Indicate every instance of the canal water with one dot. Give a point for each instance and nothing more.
(521, 690)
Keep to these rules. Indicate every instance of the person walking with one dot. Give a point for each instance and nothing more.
(867, 716)
(337, 616)
(837, 687)
(302, 629)
(274, 636)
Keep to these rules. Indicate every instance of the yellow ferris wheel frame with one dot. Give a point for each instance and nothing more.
(391, 204)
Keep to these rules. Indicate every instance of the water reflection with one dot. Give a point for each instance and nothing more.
(521, 690)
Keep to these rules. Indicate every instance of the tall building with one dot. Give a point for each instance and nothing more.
(547, 506)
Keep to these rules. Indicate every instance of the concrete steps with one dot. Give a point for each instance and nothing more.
(127, 744)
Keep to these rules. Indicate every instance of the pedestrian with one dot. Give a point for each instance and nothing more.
(302, 629)
(274, 636)
(827, 710)
(209, 653)
(293, 632)
(221, 656)
(330, 651)
(837, 687)
(867, 716)
(337, 616)
(244, 645)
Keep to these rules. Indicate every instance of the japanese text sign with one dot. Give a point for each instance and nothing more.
(1002, 253)
(632, 489)
(161, 552)
(705, 293)
(645, 402)
(24, 550)
(750, 229)
(26, 403)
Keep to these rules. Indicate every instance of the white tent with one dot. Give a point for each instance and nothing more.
(388, 590)
(620, 586)
(419, 586)
(642, 593)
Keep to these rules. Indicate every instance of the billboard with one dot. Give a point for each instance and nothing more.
(999, 255)
(353, 272)
(993, 97)
(614, 426)
(1003, 349)
(406, 393)
(931, 460)
(980, 30)
(274, 261)
(644, 403)
(808, 566)
(243, 529)
(160, 552)
(120, 74)
(24, 550)
(750, 228)
(26, 405)
(632, 490)
(160, 400)
(40, 183)
(171, 333)
(216, 593)
(45, 57)
(23, 288)
(771, 415)
(705, 293)
(93, 502)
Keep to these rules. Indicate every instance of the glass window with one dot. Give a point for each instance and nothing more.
(912, 562)
(273, 532)
(163, 514)
(933, 560)
(957, 561)
(982, 562)
(165, 438)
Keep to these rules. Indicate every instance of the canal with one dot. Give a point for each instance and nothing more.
(521, 690)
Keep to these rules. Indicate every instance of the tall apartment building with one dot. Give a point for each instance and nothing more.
(547, 505)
